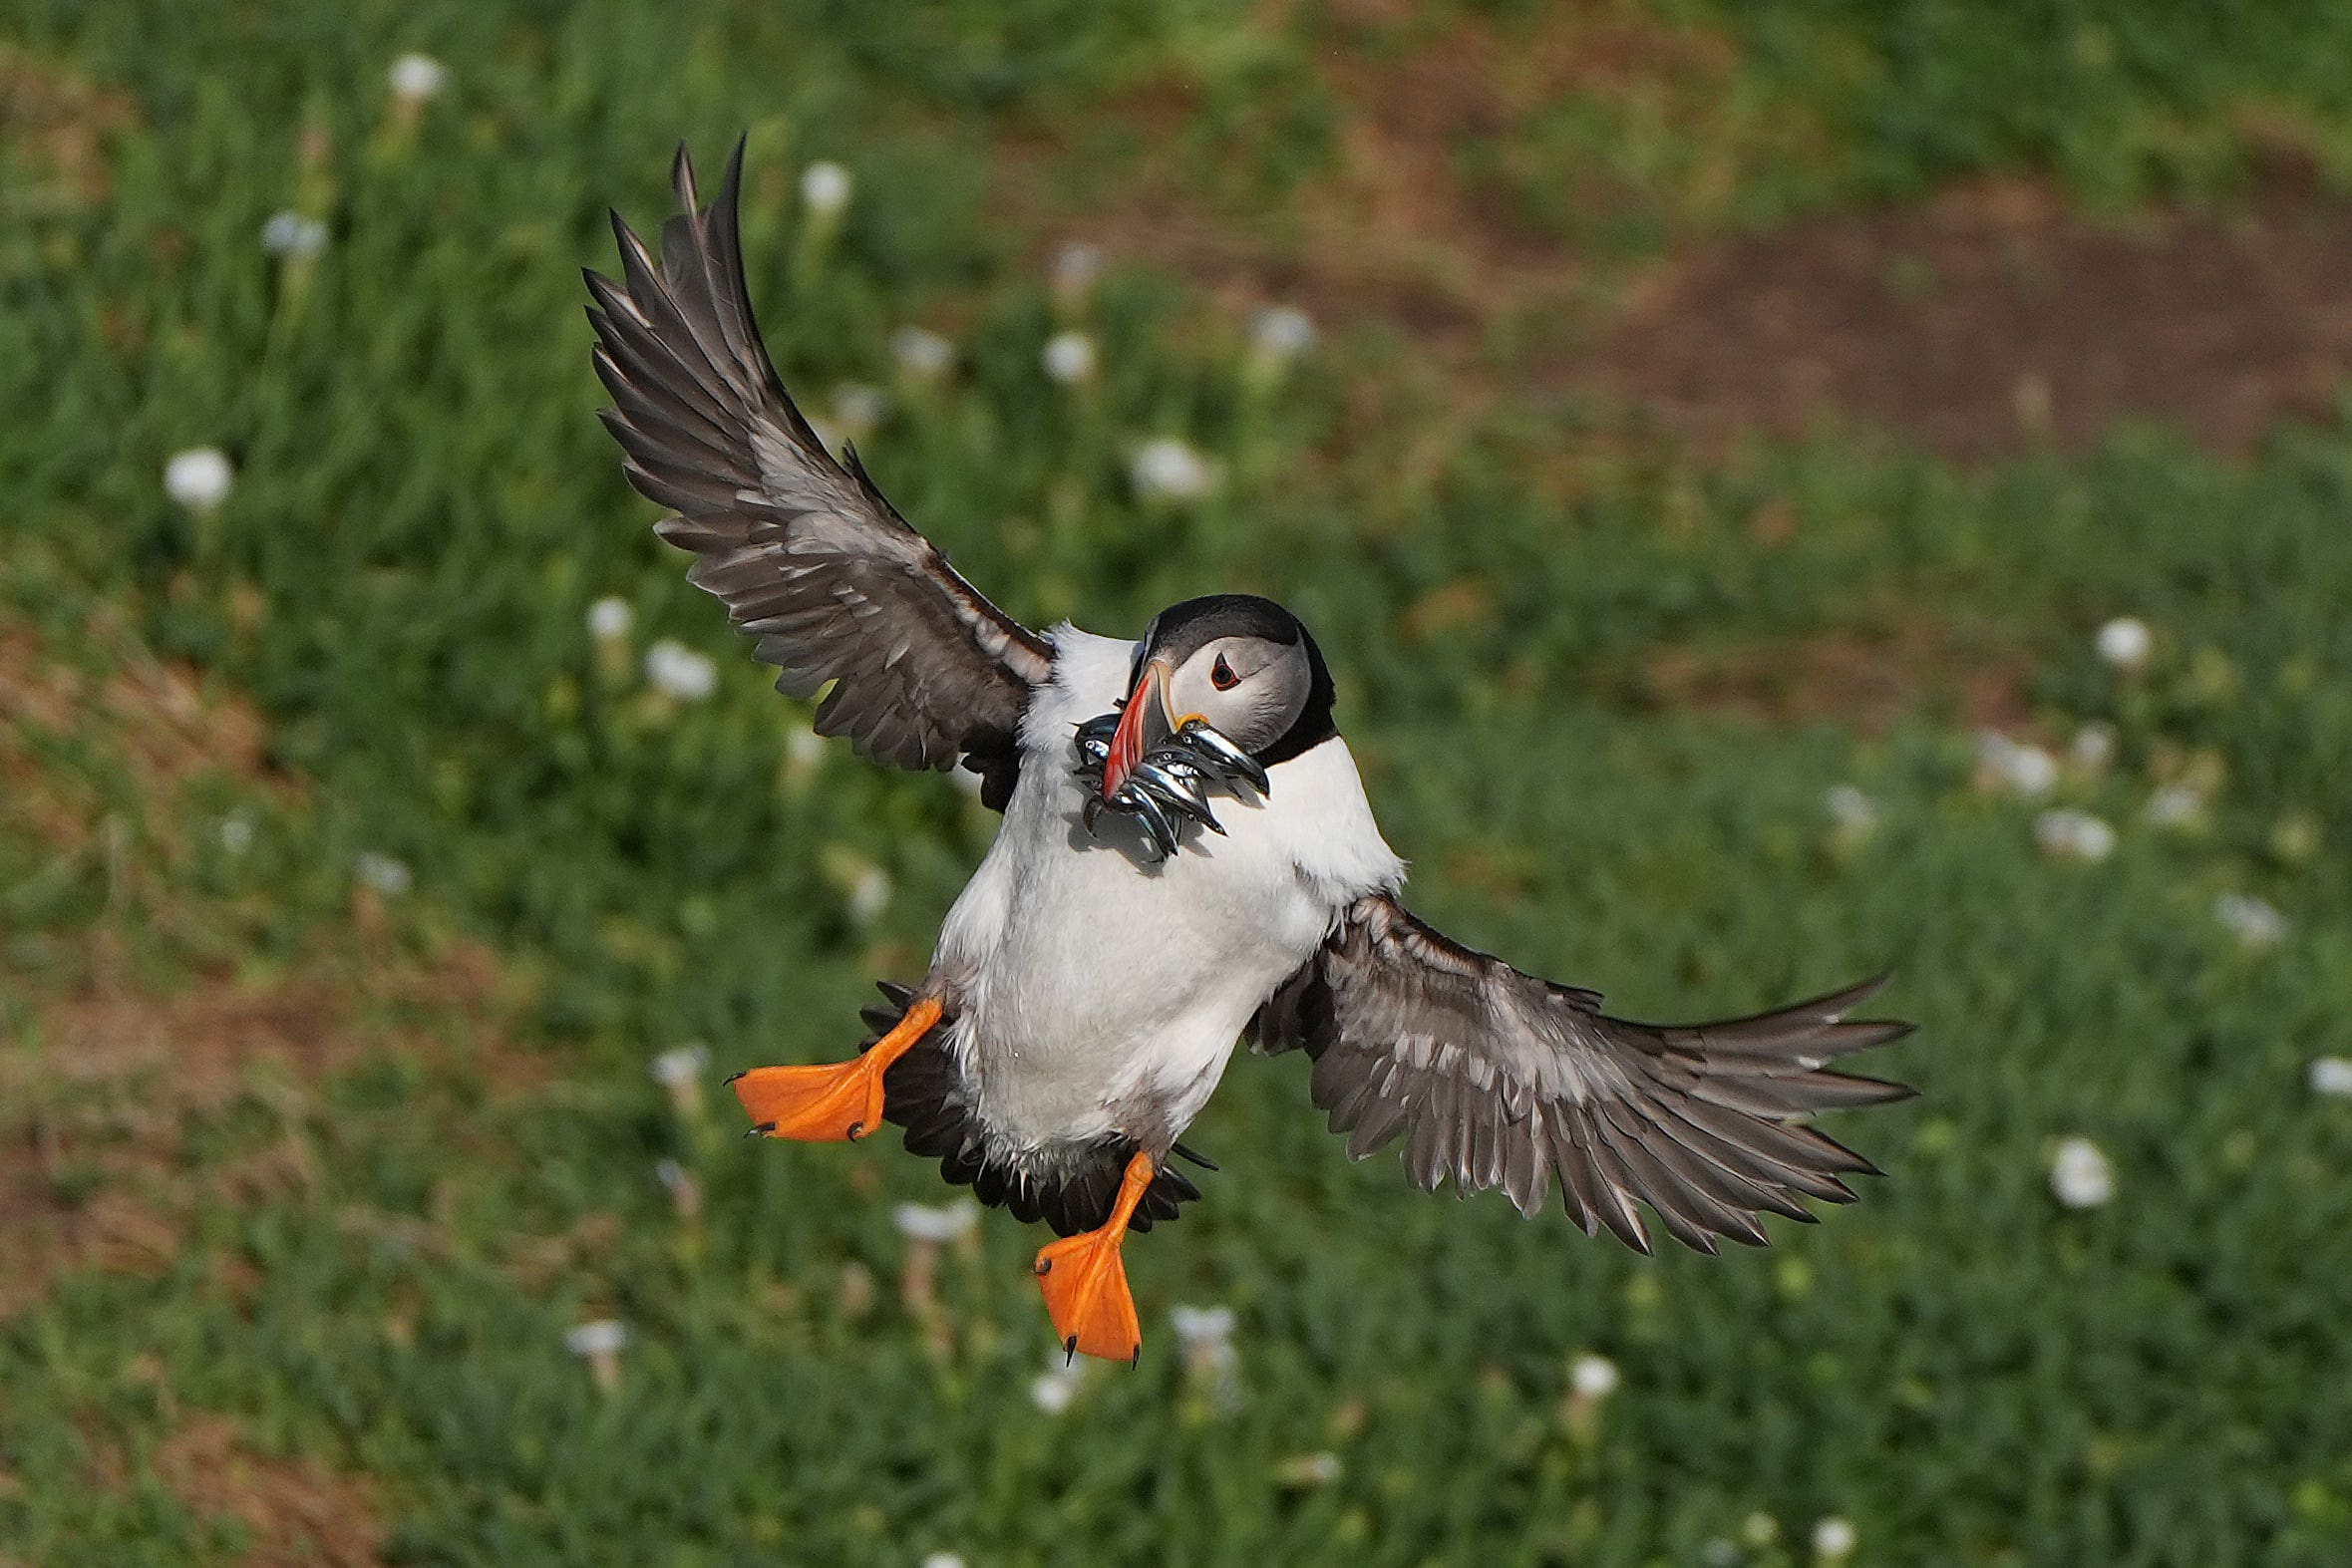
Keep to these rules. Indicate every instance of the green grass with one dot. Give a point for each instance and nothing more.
(425, 508)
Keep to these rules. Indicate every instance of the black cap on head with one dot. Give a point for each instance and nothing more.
(1183, 629)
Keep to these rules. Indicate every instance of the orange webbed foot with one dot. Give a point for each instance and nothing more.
(833, 1102)
(1084, 1279)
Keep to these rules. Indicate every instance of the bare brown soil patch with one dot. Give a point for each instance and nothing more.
(54, 126)
(297, 1513)
(103, 1073)
(1993, 318)
(1423, 220)
(1866, 679)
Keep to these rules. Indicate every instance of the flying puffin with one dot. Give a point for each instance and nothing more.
(1186, 858)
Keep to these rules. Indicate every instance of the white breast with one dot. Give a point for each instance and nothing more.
(1096, 990)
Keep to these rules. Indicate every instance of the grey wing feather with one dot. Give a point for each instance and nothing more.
(808, 556)
(1496, 1079)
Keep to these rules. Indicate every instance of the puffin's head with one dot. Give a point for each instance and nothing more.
(1242, 664)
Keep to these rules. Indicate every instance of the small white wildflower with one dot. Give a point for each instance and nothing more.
(936, 1222)
(1833, 1539)
(1077, 268)
(2080, 1174)
(599, 1344)
(869, 895)
(1855, 812)
(2075, 835)
(2125, 643)
(2015, 766)
(2254, 921)
(1054, 1389)
(1304, 1470)
(2175, 806)
(602, 1337)
(293, 235)
(1168, 469)
(199, 477)
(382, 872)
(680, 1065)
(237, 832)
(825, 187)
(2093, 746)
(1070, 358)
(685, 1191)
(1594, 1376)
(676, 671)
(803, 754)
(2332, 1075)
(611, 618)
(1208, 1343)
(942, 1560)
(859, 410)
(1282, 333)
(923, 354)
(417, 77)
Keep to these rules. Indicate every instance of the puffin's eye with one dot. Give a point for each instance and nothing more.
(1222, 676)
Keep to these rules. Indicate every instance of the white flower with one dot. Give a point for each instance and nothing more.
(2016, 765)
(1309, 1470)
(869, 895)
(237, 832)
(2081, 1175)
(858, 409)
(293, 234)
(2175, 806)
(2093, 747)
(199, 477)
(676, 671)
(611, 618)
(2251, 920)
(1077, 268)
(386, 875)
(942, 1560)
(825, 188)
(605, 1337)
(1855, 812)
(936, 1222)
(1070, 358)
(921, 353)
(2074, 835)
(2332, 1075)
(680, 1065)
(417, 77)
(1168, 469)
(1282, 333)
(685, 1192)
(1594, 1376)
(2125, 643)
(1054, 1388)
(1832, 1539)
(1203, 1325)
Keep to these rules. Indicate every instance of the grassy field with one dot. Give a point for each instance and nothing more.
(351, 885)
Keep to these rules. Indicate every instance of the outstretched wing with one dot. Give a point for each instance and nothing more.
(808, 555)
(1499, 1079)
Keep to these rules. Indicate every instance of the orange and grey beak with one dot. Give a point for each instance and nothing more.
(1143, 725)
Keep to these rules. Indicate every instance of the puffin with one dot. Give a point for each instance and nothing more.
(1186, 860)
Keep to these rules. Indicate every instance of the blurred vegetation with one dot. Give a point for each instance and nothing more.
(424, 511)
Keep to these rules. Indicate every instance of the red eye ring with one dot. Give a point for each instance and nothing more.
(1221, 675)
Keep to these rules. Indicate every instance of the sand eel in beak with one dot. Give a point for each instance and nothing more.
(1186, 858)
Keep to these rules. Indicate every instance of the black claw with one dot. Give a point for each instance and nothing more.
(761, 1130)
(1070, 1351)
(856, 1131)
(731, 1076)
(1136, 1360)
(1042, 1267)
